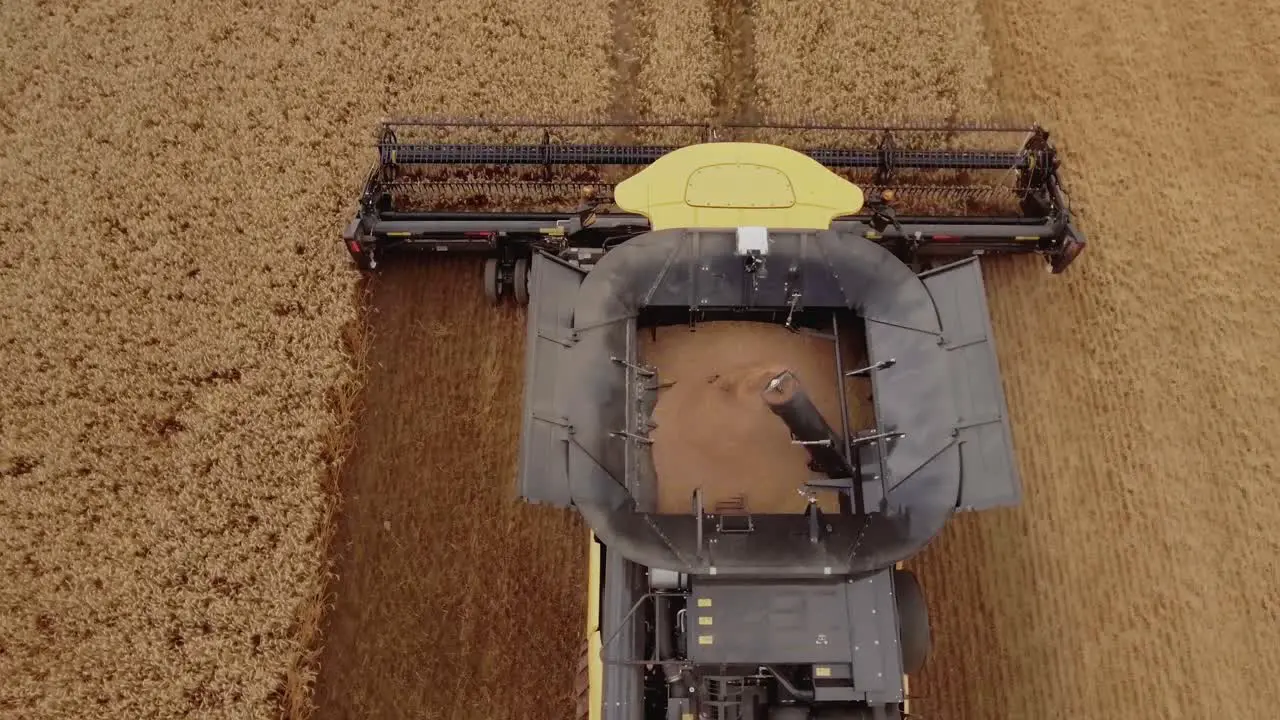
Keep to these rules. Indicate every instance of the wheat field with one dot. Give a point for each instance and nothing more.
(237, 479)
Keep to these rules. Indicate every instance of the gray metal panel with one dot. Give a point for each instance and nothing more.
(834, 271)
(989, 470)
(544, 459)
(622, 693)
(877, 659)
(835, 693)
(769, 623)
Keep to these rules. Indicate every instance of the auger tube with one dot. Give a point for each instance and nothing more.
(788, 400)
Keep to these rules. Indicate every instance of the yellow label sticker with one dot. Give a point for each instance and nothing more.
(686, 716)
(822, 671)
(706, 639)
(705, 620)
(704, 602)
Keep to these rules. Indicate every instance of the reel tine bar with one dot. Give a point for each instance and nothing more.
(518, 157)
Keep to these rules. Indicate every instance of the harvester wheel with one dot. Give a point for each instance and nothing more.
(491, 280)
(913, 620)
(520, 281)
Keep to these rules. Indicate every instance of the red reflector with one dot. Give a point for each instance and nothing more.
(355, 247)
(479, 233)
(946, 238)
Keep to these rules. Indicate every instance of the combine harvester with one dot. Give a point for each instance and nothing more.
(729, 609)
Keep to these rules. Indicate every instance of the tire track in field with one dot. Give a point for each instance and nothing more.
(627, 62)
(677, 76)
(850, 63)
(733, 28)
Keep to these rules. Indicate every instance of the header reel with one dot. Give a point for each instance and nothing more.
(506, 189)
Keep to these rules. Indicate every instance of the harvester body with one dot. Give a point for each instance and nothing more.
(716, 609)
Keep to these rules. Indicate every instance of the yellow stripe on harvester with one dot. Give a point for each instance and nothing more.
(906, 681)
(595, 668)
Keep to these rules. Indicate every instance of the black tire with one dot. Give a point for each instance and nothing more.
(491, 280)
(520, 281)
(913, 620)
